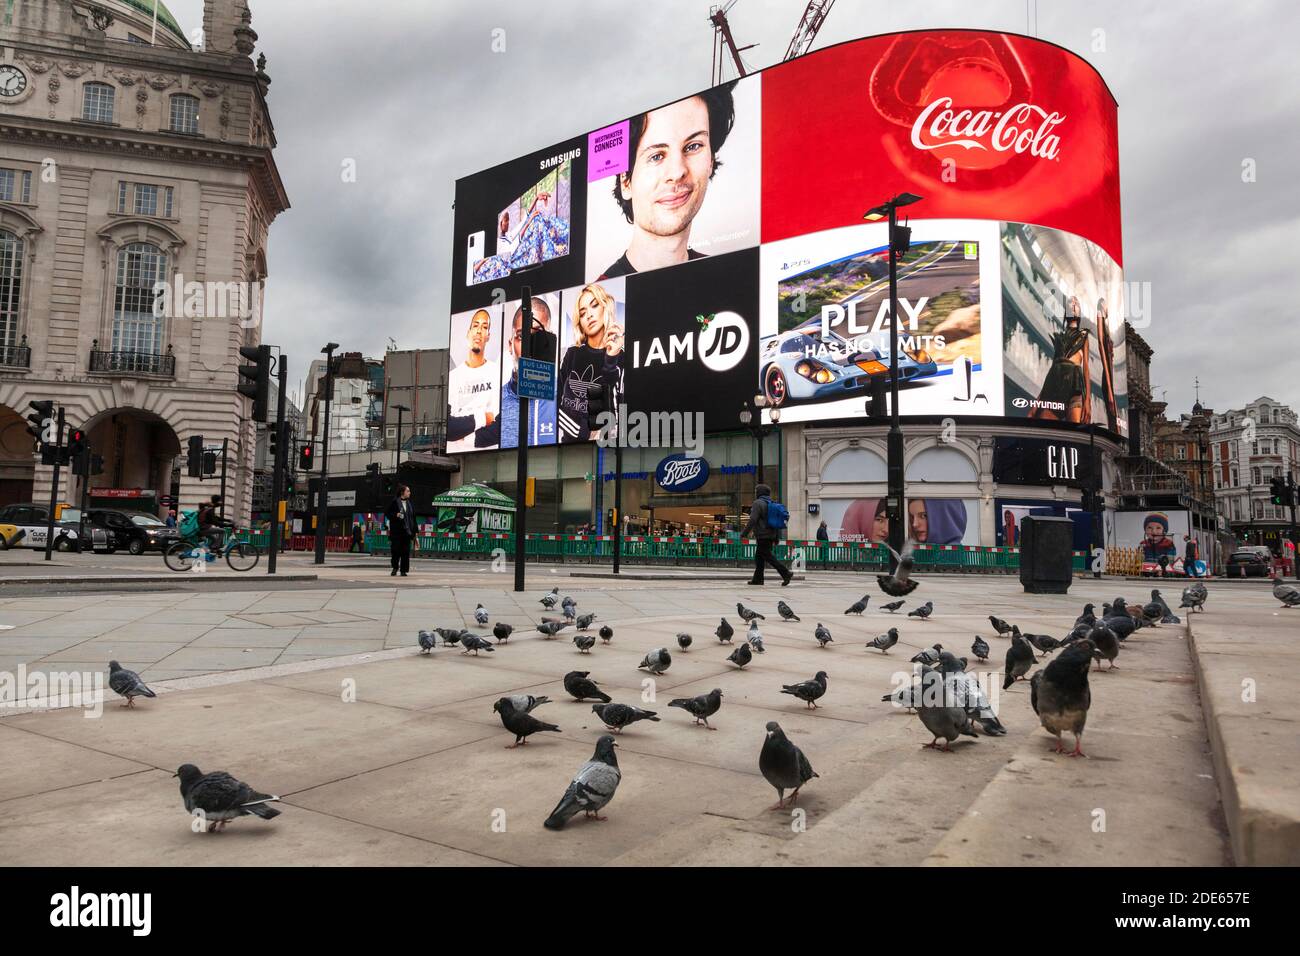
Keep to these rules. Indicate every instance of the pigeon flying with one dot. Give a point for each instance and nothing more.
(900, 583)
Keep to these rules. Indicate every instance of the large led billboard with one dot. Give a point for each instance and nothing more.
(712, 248)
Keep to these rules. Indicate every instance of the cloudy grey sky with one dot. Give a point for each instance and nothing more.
(412, 91)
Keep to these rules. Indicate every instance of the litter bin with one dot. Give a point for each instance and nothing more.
(1046, 554)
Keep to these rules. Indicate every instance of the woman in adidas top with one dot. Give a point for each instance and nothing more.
(596, 359)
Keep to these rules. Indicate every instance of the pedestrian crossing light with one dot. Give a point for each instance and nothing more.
(1278, 488)
(304, 458)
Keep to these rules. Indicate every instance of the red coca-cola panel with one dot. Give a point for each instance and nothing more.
(982, 125)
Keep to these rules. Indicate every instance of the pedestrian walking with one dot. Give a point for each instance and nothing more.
(401, 529)
(822, 533)
(761, 527)
(358, 539)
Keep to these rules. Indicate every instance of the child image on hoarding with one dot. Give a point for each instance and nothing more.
(1156, 541)
(929, 521)
(594, 358)
(473, 385)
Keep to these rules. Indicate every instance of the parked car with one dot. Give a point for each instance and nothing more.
(133, 531)
(1253, 562)
(33, 521)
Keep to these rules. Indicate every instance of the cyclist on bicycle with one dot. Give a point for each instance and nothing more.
(212, 525)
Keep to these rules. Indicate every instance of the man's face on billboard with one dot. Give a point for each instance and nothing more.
(674, 160)
(541, 323)
(480, 330)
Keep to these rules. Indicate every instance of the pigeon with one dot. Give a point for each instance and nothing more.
(127, 684)
(783, 765)
(657, 661)
(1152, 612)
(580, 688)
(570, 612)
(746, 614)
(551, 628)
(584, 621)
(950, 663)
(220, 797)
(618, 716)
(884, 642)
(569, 602)
(754, 637)
(980, 648)
(1167, 616)
(1020, 657)
(924, 611)
(702, 707)
(1088, 616)
(724, 632)
(1043, 642)
(526, 703)
(592, 786)
(606, 633)
(449, 635)
(520, 723)
(480, 615)
(1121, 624)
(857, 607)
(1194, 596)
(549, 600)
(1288, 594)
(893, 606)
(865, 600)
(472, 642)
(928, 656)
(1106, 644)
(683, 641)
(428, 640)
(786, 612)
(943, 717)
(502, 632)
(585, 642)
(900, 583)
(741, 656)
(1060, 695)
(908, 695)
(823, 635)
(966, 692)
(808, 691)
(999, 625)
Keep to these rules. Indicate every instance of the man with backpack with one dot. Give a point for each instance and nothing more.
(767, 520)
(211, 524)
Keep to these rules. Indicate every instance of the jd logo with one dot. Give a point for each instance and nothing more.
(721, 342)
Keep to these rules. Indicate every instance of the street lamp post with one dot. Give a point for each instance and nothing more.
(899, 242)
(323, 498)
(752, 421)
(401, 410)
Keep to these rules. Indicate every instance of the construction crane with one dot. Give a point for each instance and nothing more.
(724, 43)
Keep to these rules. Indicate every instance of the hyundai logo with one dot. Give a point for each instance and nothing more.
(1020, 402)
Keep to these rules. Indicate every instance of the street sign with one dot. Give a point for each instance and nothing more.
(536, 378)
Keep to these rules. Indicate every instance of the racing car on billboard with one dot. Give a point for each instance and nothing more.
(805, 365)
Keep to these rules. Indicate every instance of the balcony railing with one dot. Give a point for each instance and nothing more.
(133, 363)
(15, 356)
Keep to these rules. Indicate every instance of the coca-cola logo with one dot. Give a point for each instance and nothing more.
(681, 473)
(1023, 128)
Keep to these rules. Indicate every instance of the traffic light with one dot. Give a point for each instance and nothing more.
(901, 240)
(194, 457)
(375, 479)
(1278, 488)
(258, 378)
(209, 463)
(304, 458)
(78, 444)
(38, 421)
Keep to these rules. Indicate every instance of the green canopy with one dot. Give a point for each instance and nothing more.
(475, 495)
(474, 508)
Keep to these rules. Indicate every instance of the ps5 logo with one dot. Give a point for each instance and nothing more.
(721, 344)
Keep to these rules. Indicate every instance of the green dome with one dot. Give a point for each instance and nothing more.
(165, 18)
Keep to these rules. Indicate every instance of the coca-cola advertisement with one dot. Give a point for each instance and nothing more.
(981, 125)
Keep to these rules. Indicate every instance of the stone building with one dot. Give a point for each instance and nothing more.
(130, 160)
(1250, 446)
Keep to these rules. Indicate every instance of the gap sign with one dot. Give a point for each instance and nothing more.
(536, 379)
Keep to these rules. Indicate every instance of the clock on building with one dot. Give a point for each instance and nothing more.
(13, 81)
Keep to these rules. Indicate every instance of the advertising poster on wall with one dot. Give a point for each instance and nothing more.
(687, 185)
(1063, 317)
(474, 380)
(545, 346)
(1157, 533)
(929, 520)
(593, 351)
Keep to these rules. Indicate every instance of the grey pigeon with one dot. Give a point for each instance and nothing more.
(1194, 596)
(809, 691)
(569, 602)
(428, 640)
(741, 656)
(551, 628)
(999, 625)
(754, 637)
(449, 635)
(966, 692)
(950, 663)
(900, 583)
(127, 684)
(786, 612)
(657, 661)
(526, 703)
(823, 634)
(702, 707)
(520, 723)
(1043, 642)
(1106, 644)
(585, 642)
(1060, 695)
(1153, 611)
(928, 656)
(724, 632)
(944, 719)
(1020, 657)
(548, 601)
(980, 648)
(892, 607)
(1121, 624)
(746, 614)
(783, 765)
(1167, 616)
(883, 642)
(865, 600)
(924, 611)
(1088, 616)
(472, 642)
(908, 695)
(618, 716)
(683, 641)
(480, 615)
(592, 787)
(577, 684)
(570, 612)
(857, 607)
(584, 621)
(606, 633)
(221, 798)
(502, 632)
(1288, 594)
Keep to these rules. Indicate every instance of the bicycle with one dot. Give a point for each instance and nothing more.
(181, 555)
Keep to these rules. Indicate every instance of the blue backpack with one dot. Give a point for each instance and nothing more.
(778, 515)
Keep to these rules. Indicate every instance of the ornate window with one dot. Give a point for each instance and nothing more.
(135, 327)
(11, 281)
(144, 199)
(97, 104)
(15, 185)
(185, 114)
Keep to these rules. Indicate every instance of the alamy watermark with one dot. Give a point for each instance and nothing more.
(52, 690)
(653, 430)
(208, 300)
